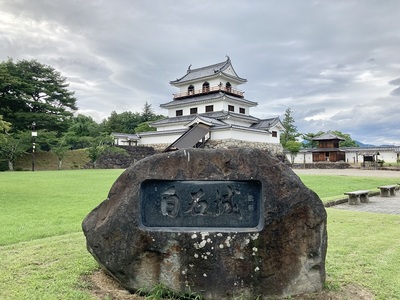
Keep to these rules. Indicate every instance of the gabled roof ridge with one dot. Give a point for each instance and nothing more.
(271, 121)
(223, 64)
(209, 72)
(329, 135)
(206, 120)
(241, 116)
(268, 123)
(189, 70)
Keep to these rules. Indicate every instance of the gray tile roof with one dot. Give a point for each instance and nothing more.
(243, 117)
(213, 121)
(130, 136)
(217, 119)
(266, 123)
(187, 119)
(205, 98)
(207, 71)
(373, 149)
(181, 119)
(328, 136)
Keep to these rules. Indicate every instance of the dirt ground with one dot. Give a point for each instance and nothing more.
(104, 287)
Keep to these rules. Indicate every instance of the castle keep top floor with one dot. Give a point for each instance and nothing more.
(209, 89)
(213, 78)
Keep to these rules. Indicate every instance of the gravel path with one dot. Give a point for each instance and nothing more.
(350, 172)
(377, 204)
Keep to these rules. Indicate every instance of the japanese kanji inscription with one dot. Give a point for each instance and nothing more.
(200, 204)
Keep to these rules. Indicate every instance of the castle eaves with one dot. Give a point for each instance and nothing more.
(207, 72)
(207, 98)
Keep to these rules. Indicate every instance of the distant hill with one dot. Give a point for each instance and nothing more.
(364, 145)
(361, 145)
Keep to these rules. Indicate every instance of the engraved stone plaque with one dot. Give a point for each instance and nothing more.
(221, 223)
(201, 204)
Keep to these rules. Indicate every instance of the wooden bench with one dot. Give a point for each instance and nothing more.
(358, 197)
(388, 190)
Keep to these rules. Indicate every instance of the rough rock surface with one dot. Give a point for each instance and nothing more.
(283, 255)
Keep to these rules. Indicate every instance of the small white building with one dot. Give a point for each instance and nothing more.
(355, 155)
(387, 154)
(209, 111)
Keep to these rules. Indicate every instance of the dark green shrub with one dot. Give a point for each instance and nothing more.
(3, 165)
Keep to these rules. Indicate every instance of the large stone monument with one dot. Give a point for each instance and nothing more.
(220, 223)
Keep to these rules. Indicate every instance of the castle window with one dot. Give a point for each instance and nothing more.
(209, 108)
(228, 87)
(231, 108)
(206, 87)
(179, 112)
(274, 134)
(190, 90)
(242, 110)
(193, 110)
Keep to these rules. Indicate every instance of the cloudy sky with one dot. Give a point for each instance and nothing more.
(336, 64)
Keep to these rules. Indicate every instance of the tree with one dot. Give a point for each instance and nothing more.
(348, 141)
(82, 125)
(144, 127)
(15, 145)
(51, 141)
(147, 113)
(290, 133)
(34, 92)
(125, 122)
(308, 139)
(294, 148)
(60, 150)
(99, 147)
(4, 127)
(82, 132)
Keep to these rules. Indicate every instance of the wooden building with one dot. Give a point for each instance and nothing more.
(328, 148)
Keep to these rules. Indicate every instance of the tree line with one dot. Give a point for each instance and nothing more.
(36, 98)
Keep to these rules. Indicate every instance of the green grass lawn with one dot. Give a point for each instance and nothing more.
(43, 254)
(49, 203)
(363, 248)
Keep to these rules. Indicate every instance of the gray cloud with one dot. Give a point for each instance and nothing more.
(395, 92)
(395, 81)
(333, 62)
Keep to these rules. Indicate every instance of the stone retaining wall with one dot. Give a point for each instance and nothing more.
(118, 161)
(158, 147)
(122, 161)
(231, 143)
(321, 165)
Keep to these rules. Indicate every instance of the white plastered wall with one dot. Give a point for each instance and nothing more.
(244, 135)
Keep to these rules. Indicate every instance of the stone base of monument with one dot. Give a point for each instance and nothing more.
(219, 223)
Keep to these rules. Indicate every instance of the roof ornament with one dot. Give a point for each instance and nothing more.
(188, 70)
(227, 58)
